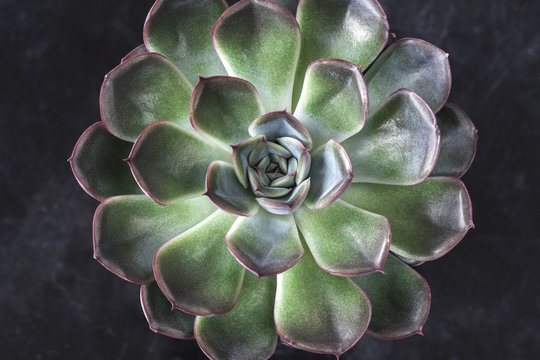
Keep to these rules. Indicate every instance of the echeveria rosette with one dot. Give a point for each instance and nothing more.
(252, 139)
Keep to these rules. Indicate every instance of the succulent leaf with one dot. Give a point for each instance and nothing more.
(195, 270)
(317, 311)
(181, 30)
(331, 174)
(412, 64)
(279, 124)
(259, 41)
(352, 30)
(288, 204)
(240, 161)
(266, 244)
(427, 219)
(223, 188)
(222, 108)
(334, 101)
(157, 310)
(398, 145)
(141, 49)
(97, 164)
(290, 5)
(400, 300)
(247, 331)
(129, 229)
(142, 90)
(458, 142)
(170, 162)
(341, 228)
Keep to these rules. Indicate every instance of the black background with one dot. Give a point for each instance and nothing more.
(56, 302)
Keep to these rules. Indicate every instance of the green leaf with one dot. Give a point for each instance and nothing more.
(400, 300)
(427, 219)
(331, 174)
(240, 157)
(279, 124)
(97, 164)
(160, 317)
(399, 143)
(128, 230)
(317, 311)
(345, 240)
(195, 270)
(170, 162)
(141, 49)
(259, 41)
(181, 30)
(247, 331)
(266, 244)
(458, 142)
(334, 101)
(223, 188)
(222, 108)
(352, 30)
(288, 204)
(412, 64)
(141, 90)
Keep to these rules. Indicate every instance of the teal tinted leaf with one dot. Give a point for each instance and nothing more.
(170, 162)
(290, 5)
(259, 41)
(400, 300)
(128, 230)
(287, 204)
(398, 145)
(266, 244)
(427, 219)
(334, 101)
(247, 331)
(280, 124)
(141, 49)
(331, 173)
(317, 311)
(144, 89)
(222, 108)
(412, 64)
(458, 142)
(195, 270)
(240, 157)
(345, 240)
(352, 30)
(181, 30)
(97, 164)
(223, 188)
(160, 317)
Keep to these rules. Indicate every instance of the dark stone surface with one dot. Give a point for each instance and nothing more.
(58, 303)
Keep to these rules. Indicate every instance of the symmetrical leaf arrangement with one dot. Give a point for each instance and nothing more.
(283, 138)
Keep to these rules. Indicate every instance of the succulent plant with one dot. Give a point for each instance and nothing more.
(293, 147)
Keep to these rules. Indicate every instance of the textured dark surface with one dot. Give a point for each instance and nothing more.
(58, 303)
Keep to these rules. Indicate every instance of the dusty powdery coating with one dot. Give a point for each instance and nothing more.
(252, 138)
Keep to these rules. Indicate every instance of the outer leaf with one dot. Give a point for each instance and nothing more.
(141, 90)
(160, 317)
(181, 30)
(352, 30)
(266, 244)
(279, 124)
(345, 240)
(413, 64)
(331, 173)
(400, 300)
(398, 145)
(97, 164)
(334, 101)
(427, 219)
(170, 162)
(290, 5)
(223, 188)
(195, 270)
(128, 230)
(222, 108)
(141, 49)
(259, 41)
(247, 331)
(319, 312)
(458, 142)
